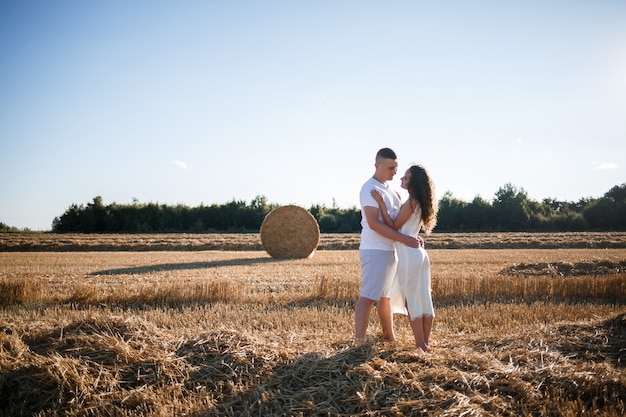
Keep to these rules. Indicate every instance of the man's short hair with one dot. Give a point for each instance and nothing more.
(385, 153)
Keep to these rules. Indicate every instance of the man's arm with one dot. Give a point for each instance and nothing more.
(371, 215)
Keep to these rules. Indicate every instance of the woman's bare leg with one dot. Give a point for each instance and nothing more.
(428, 326)
(417, 325)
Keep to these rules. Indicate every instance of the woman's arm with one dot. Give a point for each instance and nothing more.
(383, 208)
(406, 210)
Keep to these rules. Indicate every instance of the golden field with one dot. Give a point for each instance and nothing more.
(92, 326)
(28, 242)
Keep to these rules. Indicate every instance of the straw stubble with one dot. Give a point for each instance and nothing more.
(241, 333)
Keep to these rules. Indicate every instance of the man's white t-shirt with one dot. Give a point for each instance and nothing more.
(369, 238)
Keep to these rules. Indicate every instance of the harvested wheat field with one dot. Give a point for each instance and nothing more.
(238, 333)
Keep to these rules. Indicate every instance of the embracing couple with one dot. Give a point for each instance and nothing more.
(395, 268)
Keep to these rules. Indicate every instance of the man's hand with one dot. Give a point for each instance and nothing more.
(413, 242)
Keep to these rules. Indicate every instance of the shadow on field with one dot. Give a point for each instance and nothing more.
(102, 357)
(248, 381)
(89, 339)
(606, 341)
(181, 266)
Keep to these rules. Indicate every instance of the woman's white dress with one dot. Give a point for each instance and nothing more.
(411, 286)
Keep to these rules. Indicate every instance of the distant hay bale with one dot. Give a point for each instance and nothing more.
(290, 232)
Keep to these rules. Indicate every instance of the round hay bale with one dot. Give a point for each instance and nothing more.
(290, 232)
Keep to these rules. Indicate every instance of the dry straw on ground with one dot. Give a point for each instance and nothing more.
(68, 242)
(290, 232)
(239, 333)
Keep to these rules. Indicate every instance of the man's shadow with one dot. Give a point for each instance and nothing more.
(319, 383)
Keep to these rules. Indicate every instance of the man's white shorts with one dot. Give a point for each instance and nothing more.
(378, 269)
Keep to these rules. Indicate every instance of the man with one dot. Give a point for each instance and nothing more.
(377, 248)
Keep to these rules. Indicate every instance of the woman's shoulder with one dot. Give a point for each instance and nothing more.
(411, 203)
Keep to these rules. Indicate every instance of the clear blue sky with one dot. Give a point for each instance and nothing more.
(208, 101)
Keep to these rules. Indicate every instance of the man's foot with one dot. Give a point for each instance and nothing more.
(362, 340)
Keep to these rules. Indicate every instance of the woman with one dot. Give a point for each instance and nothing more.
(412, 292)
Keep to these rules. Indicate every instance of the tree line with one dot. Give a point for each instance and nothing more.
(236, 216)
(509, 210)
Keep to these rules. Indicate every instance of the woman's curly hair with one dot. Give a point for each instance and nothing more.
(422, 189)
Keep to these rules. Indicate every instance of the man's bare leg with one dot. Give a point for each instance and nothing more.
(362, 317)
(386, 319)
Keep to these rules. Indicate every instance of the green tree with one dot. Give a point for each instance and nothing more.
(4, 228)
(602, 214)
(477, 215)
(450, 216)
(328, 223)
(618, 195)
(511, 209)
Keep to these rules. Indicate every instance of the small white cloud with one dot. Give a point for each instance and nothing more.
(180, 164)
(607, 165)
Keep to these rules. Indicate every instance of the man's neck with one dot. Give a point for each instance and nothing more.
(382, 181)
